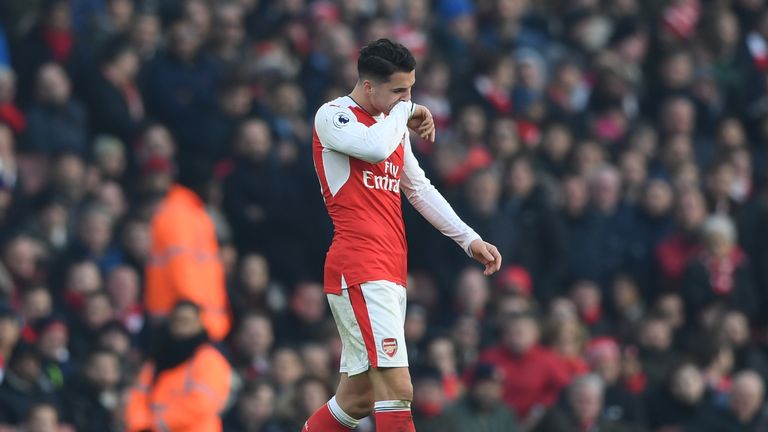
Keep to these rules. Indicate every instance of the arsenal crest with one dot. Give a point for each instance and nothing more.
(389, 346)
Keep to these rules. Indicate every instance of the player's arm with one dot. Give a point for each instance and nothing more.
(339, 130)
(433, 206)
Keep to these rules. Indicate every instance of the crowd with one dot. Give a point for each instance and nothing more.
(614, 150)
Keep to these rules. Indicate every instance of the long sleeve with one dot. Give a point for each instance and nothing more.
(431, 204)
(338, 130)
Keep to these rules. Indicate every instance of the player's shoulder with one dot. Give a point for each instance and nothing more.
(337, 111)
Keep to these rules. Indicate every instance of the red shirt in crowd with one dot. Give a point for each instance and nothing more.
(534, 378)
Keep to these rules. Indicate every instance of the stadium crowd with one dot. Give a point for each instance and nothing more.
(615, 151)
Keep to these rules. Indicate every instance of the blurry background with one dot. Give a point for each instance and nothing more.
(614, 150)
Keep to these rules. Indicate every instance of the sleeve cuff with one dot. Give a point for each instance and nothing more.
(472, 236)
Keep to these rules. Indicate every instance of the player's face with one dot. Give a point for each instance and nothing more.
(384, 95)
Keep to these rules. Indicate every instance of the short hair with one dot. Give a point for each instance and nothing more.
(115, 48)
(380, 59)
(722, 225)
(590, 380)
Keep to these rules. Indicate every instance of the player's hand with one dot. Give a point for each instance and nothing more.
(422, 123)
(486, 254)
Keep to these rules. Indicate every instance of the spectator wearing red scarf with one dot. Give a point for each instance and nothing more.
(53, 40)
(721, 273)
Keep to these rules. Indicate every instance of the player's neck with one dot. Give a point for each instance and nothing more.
(358, 95)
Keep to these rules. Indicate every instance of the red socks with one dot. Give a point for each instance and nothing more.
(330, 418)
(391, 416)
(394, 416)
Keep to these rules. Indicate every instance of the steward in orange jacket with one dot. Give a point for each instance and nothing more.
(185, 385)
(184, 261)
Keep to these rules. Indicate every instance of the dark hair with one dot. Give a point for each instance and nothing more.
(114, 48)
(379, 60)
(92, 355)
(195, 173)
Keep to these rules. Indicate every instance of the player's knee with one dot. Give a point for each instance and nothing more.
(401, 388)
(361, 406)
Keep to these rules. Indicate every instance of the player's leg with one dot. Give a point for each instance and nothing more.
(354, 396)
(353, 401)
(393, 393)
(385, 304)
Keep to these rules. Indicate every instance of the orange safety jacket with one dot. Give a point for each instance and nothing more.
(187, 398)
(184, 262)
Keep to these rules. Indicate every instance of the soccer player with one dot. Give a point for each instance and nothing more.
(363, 158)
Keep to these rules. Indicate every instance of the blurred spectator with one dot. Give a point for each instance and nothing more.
(307, 312)
(10, 332)
(604, 357)
(594, 139)
(180, 82)
(285, 372)
(745, 410)
(110, 157)
(82, 279)
(583, 410)
(146, 34)
(532, 375)
(431, 412)
(736, 332)
(472, 293)
(114, 337)
(185, 382)
(253, 339)
(252, 192)
(21, 259)
(220, 126)
(44, 417)
(184, 262)
(677, 249)
(483, 407)
(10, 114)
(94, 238)
(52, 39)
(311, 393)
(317, 362)
(68, 179)
(254, 411)
(588, 299)
(721, 273)
(441, 353)
(568, 339)
(116, 106)
(715, 359)
(683, 396)
(91, 400)
(123, 287)
(254, 289)
(36, 304)
(23, 385)
(415, 331)
(529, 218)
(96, 313)
(57, 122)
(52, 342)
(627, 307)
(656, 352)
(115, 19)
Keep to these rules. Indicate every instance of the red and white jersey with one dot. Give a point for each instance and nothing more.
(363, 162)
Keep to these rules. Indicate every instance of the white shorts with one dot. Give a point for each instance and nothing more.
(371, 319)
